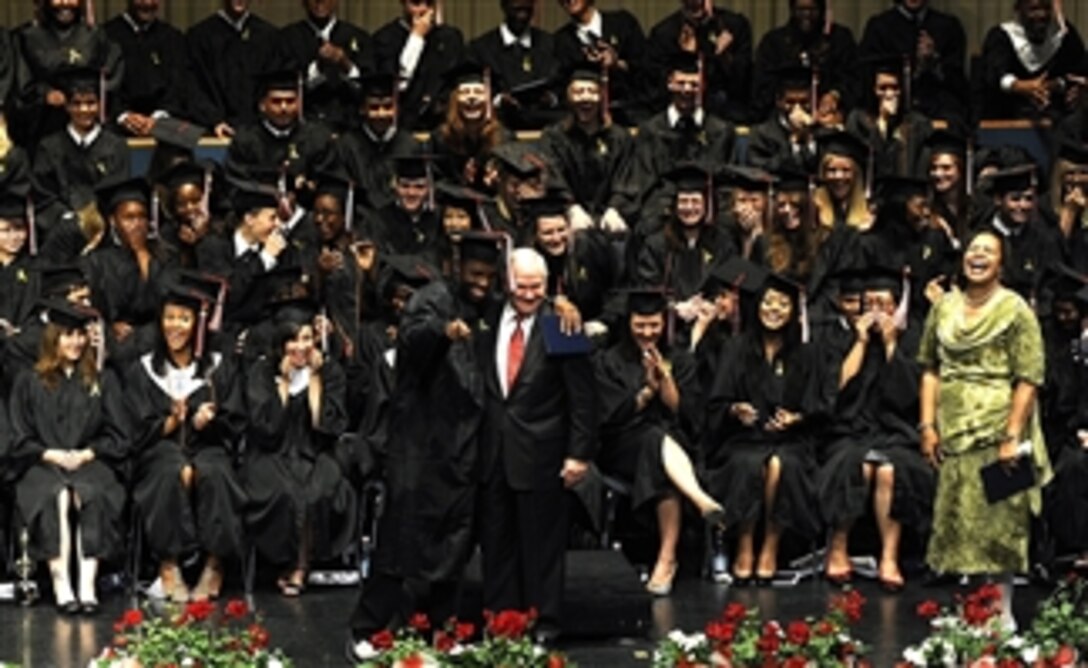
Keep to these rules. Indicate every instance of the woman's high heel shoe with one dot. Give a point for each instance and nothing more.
(663, 588)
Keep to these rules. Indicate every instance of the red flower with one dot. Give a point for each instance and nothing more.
(464, 631)
(721, 631)
(798, 633)
(795, 662)
(556, 661)
(382, 640)
(1010, 663)
(769, 642)
(824, 628)
(734, 612)
(258, 637)
(443, 642)
(976, 613)
(419, 622)
(198, 611)
(1065, 656)
(510, 624)
(236, 609)
(131, 618)
(849, 605)
(928, 609)
(989, 593)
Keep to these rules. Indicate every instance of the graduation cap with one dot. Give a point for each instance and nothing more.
(690, 177)
(115, 192)
(685, 63)
(748, 179)
(881, 275)
(946, 142)
(1063, 282)
(288, 295)
(901, 188)
(282, 79)
(736, 274)
(792, 77)
(13, 208)
(179, 133)
(79, 81)
(1015, 179)
(339, 185)
(893, 64)
(551, 203)
(250, 196)
(1075, 152)
(582, 70)
(410, 167)
(60, 279)
(213, 286)
(404, 271)
(646, 301)
(845, 144)
(791, 181)
(518, 159)
(377, 85)
(850, 280)
(466, 73)
(451, 194)
(185, 172)
(68, 316)
(481, 246)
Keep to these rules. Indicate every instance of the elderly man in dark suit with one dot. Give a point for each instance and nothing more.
(539, 435)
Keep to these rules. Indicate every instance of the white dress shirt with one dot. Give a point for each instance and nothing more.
(507, 324)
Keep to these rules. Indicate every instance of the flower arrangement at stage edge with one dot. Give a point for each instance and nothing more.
(972, 634)
(506, 643)
(738, 639)
(200, 635)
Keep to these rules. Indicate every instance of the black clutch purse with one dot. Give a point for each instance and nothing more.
(1000, 482)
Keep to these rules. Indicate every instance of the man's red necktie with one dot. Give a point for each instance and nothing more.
(515, 355)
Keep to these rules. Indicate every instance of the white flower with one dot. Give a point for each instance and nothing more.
(915, 656)
(187, 662)
(273, 662)
(1030, 654)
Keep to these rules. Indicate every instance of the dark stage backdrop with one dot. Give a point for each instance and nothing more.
(477, 16)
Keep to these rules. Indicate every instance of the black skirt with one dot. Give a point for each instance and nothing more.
(1067, 500)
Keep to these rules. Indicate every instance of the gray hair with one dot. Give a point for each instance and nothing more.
(527, 260)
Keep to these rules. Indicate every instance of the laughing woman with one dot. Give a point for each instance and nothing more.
(188, 413)
(67, 422)
(301, 505)
(982, 353)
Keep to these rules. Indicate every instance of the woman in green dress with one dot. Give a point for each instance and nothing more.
(982, 351)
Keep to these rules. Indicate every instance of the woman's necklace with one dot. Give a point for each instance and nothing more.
(977, 302)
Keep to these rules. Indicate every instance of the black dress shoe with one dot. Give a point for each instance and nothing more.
(89, 608)
(546, 635)
(70, 608)
(764, 580)
(742, 581)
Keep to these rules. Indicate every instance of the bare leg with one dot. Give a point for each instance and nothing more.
(768, 553)
(668, 526)
(838, 550)
(682, 474)
(890, 530)
(58, 566)
(742, 567)
(88, 567)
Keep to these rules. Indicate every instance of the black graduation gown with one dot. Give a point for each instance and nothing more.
(736, 455)
(898, 153)
(938, 91)
(121, 294)
(15, 172)
(19, 287)
(515, 66)
(1059, 397)
(7, 66)
(1067, 495)
(307, 149)
(328, 97)
(630, 89)
(770, 148)
(659, 148)
(225, 62)
(593, 170)
(66, 174)
(1032, 248)
(834, 56)
(175, 520)
(290, 470)
(421, 105)
(70, 417)
(728, 75)
(369, 163)
(157, 71)
(396, 233)
(676, 266)
(586, 276)
(430, 466)
(874, 420)
(43, 52)
(631, 439)
(999, 58)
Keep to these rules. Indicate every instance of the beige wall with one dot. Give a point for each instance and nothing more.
(476, 16)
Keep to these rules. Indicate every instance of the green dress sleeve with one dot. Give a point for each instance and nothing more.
(1026, 351)
(927, 348)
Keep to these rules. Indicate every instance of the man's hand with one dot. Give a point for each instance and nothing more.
(56, 98)
(745, 412)
(570, 318)
(579, 218)
(275, 243)
(1037, 90)
(688, 41)
(926, 48)
(723, 42)
(573, 471)
(224, 130)
(423, 20)
(458, 330)
(334, 55)
(138, 124)
(783, 420)
(204, 415)
(613, 223)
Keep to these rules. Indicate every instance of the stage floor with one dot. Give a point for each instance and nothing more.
(312, 629)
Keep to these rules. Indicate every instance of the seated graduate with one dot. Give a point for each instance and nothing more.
(1069, 196)
(1032, 242)
(581, 265)
(157, 81)
(129, 274)
(722, 40)
(190, 217)
(684, 132)
(70, 163)
(280, 141)
(1065, 501)
(810, 38)
(612, 40)
(886, 123)
(748, 216)
(334, 55)
(418, 50)
(945, 164)
(410, 224)
(301, 506)
(471, 130)
(461, 210)
(590, 156)
(874, 452)
(680, 256)
(787, 138)
(63, 37)
(69, 445)
(844, 181)
(426, 534)
(1032, 66)
(523, 66)
(792, 240)
(718, 322)
(1060, 315)
(935, 44)
(521, 174)
(651, 414)
(188, 413)
(764, 417)
(367, 149)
